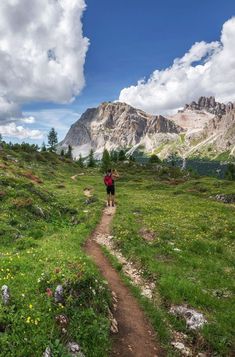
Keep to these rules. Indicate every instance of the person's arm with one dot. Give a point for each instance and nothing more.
(115, 175)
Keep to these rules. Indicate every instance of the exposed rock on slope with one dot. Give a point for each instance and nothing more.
(225, 128)
(210, 105)
(197, 114)
(209, 127)
(116, 125)
(192, 120)
(204, 128)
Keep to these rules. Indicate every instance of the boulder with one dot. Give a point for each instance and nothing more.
(74, 349)
(184, 351)
(47, 352)
(226, 198)
(59, 294)
(5, 294)
(193, 318)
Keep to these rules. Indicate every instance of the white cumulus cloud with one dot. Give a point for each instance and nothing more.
(61, 119)
(206, 69)
(17, 131)
(28, 120)
(42, 53)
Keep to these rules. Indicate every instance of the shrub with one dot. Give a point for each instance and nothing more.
(26, 243)
(154, 159)
(230, 172)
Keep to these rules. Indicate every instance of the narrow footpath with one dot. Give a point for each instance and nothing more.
(135, 337)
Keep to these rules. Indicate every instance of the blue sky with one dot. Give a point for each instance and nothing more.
(129, 40)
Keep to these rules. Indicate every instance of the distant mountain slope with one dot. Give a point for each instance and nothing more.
(204, 128)
(116, 125)
(209, 127)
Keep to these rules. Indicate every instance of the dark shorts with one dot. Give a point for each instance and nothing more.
(111, 189)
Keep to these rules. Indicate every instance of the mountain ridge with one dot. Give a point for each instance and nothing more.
(116, 125)
(206, 125)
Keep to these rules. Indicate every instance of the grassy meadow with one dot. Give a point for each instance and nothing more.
(183, 239)
(44, 220)
(172, 228)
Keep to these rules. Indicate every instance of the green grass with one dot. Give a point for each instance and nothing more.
(225, 156)
(192, 256)
(42, 230)
(43, 227)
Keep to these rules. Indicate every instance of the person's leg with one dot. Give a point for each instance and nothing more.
(108, 195)
(113, 196)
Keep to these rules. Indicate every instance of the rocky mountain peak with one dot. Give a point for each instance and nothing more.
(116, 125)
(210, 105)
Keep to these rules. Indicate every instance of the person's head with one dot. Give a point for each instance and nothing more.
(109, 171)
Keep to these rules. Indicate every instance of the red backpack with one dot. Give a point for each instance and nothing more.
(108, 181)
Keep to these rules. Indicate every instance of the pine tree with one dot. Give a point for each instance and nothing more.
(1, 138)
(62, 153)
(80, 161)
(52, 139)
(43, 148)
(172, 159)
(91, 160)
(121, 155)
(105, 161)
(114, 156)
(132, 158)
(69, 154)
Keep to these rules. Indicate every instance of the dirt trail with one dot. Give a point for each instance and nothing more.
(74, 177)
(136, 336)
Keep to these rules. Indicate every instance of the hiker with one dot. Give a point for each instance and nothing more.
(109, 181)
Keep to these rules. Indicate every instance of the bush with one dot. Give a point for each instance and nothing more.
(230, 172)
(40, 157)
(154, 159)
(26, 243)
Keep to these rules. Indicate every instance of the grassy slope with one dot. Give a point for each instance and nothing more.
(40, 247)
(39, 252)
(201, 273)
